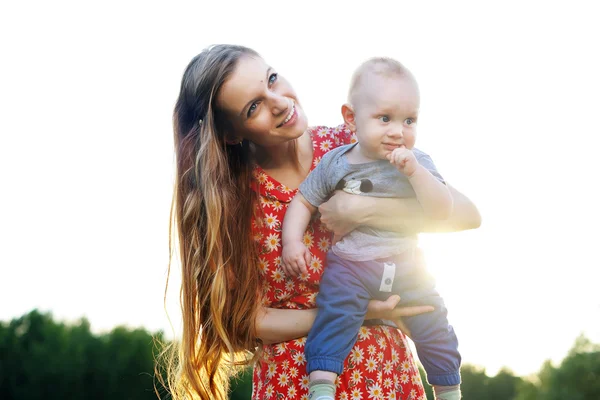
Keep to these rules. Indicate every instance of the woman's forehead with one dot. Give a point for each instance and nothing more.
(244, 84)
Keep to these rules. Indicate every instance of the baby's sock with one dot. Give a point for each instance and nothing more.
(321, 389)
(447, 392)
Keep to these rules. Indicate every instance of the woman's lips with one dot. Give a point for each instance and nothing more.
(292, 119)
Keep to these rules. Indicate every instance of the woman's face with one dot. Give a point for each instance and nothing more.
(261, 105)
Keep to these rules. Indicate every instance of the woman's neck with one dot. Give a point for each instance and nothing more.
(286, 155)
(288, 163)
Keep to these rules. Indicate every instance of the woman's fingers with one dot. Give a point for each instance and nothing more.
(307, 261)
(287, 268)
(411, 311)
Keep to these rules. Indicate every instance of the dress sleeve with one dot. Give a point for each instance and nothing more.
(342, 135)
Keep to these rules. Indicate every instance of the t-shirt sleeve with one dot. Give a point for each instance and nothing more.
(316, 188)
(427, 162)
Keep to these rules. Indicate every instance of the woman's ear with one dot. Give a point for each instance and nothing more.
(348, 114)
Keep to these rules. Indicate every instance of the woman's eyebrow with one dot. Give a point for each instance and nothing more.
(254, 99)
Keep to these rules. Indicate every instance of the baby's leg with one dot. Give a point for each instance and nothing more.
(437, 347)
(434, 337)
(342, 303)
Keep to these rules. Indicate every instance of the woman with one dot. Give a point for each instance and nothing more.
(242, 148)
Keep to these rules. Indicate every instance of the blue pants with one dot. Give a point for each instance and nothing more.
(347, 287)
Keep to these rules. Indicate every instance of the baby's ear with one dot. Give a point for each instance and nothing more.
(366, 185)
(348, 114)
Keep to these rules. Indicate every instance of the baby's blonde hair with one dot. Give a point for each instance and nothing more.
(380, 66)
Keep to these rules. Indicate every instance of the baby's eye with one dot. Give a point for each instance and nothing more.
(384, 118)
(409, 121)
(273, 78)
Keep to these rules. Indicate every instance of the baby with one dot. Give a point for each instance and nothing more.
(370, 263)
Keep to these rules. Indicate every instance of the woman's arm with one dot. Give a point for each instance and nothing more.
(275, 325)
(344, 212)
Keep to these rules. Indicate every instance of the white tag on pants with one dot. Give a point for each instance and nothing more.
(387, 280)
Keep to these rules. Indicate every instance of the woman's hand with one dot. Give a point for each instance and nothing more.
(344, 212)
(336, 214)
(387, 310)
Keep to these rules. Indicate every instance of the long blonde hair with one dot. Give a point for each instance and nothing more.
(212, 210)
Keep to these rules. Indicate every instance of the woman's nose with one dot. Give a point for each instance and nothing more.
(278, 103)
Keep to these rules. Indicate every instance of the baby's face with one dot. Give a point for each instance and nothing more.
(386, 111)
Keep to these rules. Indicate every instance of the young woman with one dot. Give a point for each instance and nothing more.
(243, 146)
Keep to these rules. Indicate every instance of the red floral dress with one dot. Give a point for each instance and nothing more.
(380, 366)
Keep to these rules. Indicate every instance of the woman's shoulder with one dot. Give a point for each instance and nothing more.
(331, 137)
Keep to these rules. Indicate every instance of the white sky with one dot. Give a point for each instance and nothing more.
(510, 99)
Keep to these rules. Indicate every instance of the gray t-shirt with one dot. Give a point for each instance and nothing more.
(364, 243)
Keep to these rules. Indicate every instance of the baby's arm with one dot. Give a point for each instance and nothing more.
(296, 257)
(433, 195)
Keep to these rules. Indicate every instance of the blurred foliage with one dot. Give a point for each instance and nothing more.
(44, 359)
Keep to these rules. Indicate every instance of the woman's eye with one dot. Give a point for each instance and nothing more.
(272, 78)
(252, 108)
(384, 118)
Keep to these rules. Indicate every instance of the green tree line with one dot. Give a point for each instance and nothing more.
(44, 359)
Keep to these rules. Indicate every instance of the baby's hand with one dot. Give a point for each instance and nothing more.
(296, 259)
(405, 160)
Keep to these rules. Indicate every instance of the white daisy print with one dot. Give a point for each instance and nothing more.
(269, 391)
(326, 145)
(405, 366)
(316, 265)
(292, 392)
(262, 178)
(375, 392)
(356, 394)
(272, 370)
(395, 358)
(364, 333)
(277, 205)
(308, 240)
(299, 358)
(371, 349)
(304, 382)
(263, 265)
(356, 377)
(273, 241)
(371, 364)
(271, 220)
(388, 367)
(324, 244)
(404, 379)
(356, 355)
(388, 383)
(284, 379)
(277, 275)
